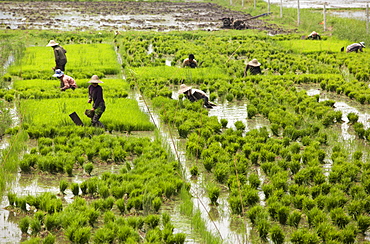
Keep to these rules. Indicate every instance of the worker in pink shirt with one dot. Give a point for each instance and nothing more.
(65, 80)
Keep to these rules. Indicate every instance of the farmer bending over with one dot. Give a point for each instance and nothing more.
(355, 47)
(96, 96)
(253, 67)
(66, 81)
(195, 95)
(314, 36)
(190, 62)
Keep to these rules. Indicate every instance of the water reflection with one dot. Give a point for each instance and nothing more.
(363, 117)
(232, 112)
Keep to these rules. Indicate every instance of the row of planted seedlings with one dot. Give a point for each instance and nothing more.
(279, 55)
(329, 53)
(228, 51)
(302, 204)
(121, 206)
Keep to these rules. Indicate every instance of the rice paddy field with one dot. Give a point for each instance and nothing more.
(293, 168)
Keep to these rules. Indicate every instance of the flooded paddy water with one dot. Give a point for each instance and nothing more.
(112, 16)
(218, 219)
(350, 8)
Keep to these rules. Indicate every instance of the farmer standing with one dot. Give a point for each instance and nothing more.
(59, 54)
(190, 62)
(65, 80)
(355, 47)
(253, 67)
(314, 36)
(195, 95)
(96, 96)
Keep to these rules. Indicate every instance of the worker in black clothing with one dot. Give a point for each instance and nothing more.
(59, 54)
(253, 67)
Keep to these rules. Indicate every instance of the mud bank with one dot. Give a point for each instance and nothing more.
(112, 16)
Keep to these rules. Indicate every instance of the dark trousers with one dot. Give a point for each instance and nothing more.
(98, 113)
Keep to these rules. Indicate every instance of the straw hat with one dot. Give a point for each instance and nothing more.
(52, 43)
(184, 88)
(254, 63)
(95, 79)
(58, 73)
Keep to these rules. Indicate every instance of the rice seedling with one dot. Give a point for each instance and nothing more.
(63, 185)
(37, 61)
(54, 112)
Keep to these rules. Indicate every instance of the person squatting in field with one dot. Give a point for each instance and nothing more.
(195, 95)
(96, 96)
(355, 47)
(66, 81)
(59, 54)
(253, 67)
(190, 62)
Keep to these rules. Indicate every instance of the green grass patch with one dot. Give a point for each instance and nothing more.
(84, 60)
(121, 114)
(312, 46)
(39, 88)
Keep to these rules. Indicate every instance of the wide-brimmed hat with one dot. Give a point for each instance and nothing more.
(95, 79)
(254, 63)
(184, 88)
(52, 43)
(58, 73)
(362, 44)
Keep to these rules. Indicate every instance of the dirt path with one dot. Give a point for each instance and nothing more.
(158, 16)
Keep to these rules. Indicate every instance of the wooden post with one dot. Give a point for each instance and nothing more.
(268, 8)
(281, 8)
(367, 18)
(255, 4)
(299, 15)
(324, 16)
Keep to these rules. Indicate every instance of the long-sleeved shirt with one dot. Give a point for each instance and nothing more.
(354, 47)
(60, 56)
(96, 94)
(68, 82)
(254, 70)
